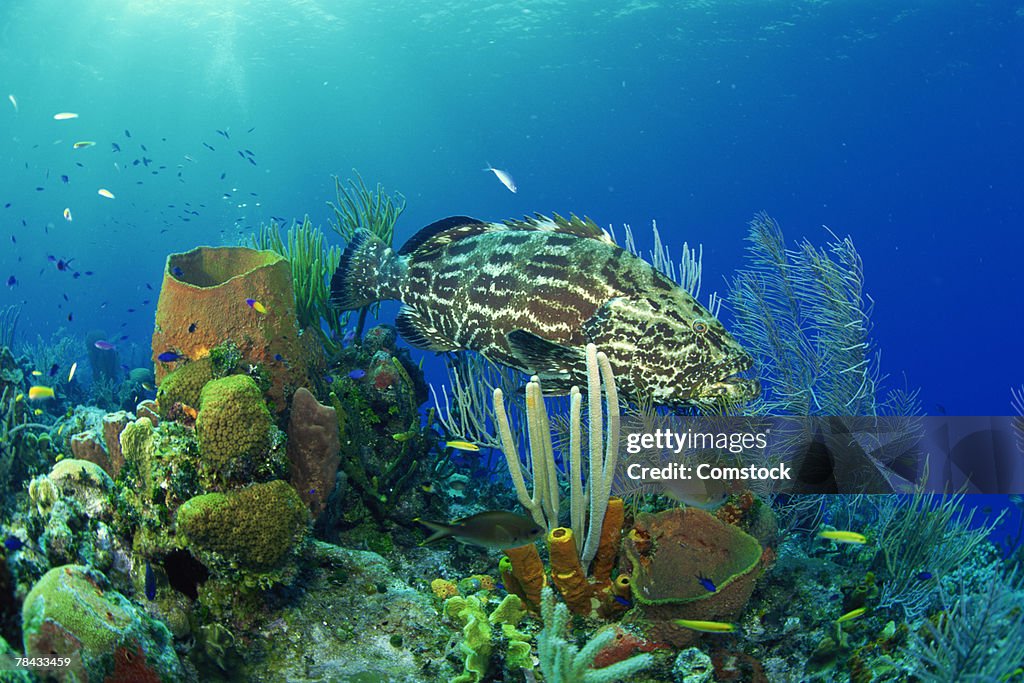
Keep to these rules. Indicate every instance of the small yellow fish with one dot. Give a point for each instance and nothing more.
(71, 372)
(60, 430)
(844, 537)
(83, 144)
(852, 614)
(463, 446)
(64, 116)
(37, 373)
(67, 215)
(19, 398)
(37, 412)
(105, 193)
(39, 392)
(404, 436)
(706, 626)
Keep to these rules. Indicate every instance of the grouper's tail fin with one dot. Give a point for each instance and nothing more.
(369, 271)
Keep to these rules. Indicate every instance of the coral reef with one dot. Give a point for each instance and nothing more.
(70, 613)
(233, 428)
(254, 528)
(563, 662)
(203, 303)
(667, 555)
(313, 449)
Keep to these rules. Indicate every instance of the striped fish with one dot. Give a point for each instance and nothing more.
(531, 294)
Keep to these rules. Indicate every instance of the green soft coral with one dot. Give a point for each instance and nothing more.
(233, 426)
(255, 528)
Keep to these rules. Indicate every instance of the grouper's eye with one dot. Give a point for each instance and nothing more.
(700, 327)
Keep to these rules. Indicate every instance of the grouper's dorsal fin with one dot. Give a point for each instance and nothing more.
(573, 225)
(460, 226)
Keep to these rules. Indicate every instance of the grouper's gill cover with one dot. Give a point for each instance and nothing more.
(531, 294)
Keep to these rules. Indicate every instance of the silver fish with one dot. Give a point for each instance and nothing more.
(532, 294)
(504, 177)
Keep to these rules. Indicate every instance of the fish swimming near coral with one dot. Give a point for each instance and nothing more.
(150, 582)
(839, 536)
(532, 294)
(493, 529)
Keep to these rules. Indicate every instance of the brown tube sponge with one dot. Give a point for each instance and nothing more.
(528, 570)
(611, 535)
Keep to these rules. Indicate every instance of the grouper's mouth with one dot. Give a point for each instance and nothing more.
(734, 389)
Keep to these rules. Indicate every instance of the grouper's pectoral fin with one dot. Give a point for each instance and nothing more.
(420, 332)
(557, 365)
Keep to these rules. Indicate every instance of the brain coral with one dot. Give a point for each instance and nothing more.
(233, 426)
(255, 527)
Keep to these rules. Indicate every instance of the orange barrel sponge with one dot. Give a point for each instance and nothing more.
(608, 546)
(212, 295)
(567, 572)
(528, 571)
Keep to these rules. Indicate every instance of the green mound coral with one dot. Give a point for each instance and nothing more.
(233, 426)
(184, 385)
(68, 613)
(255, 528)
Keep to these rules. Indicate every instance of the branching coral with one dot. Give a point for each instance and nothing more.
(312, 265)
(805, 317)
(563, 662)
(8, 324)
(979, 637)
(925, 532)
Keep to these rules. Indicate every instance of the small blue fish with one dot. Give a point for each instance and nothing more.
(357, 374)
(707, 583)
(177, 272)
(169, 357)
(278, 357)
(328, 379)
(150, 582)
(622, 601)
(11, 281)
(924, 576)
(349, 337)
(13, 543)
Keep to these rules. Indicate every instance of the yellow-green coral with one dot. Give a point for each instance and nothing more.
(184, 385)
(233, 424)
(478, 636)
(255, 527)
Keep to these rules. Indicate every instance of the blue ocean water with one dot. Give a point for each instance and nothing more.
(895, 124)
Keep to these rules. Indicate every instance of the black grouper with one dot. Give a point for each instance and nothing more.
(532, 294)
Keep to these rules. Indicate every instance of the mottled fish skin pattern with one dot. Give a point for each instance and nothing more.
(531, 294)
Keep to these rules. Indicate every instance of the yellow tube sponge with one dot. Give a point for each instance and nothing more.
(566, 572)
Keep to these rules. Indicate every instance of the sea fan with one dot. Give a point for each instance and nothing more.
(804, 316)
